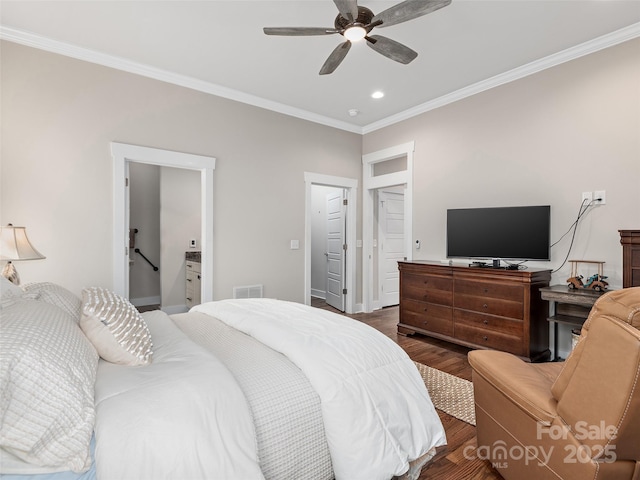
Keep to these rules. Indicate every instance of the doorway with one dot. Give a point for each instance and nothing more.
(330, 228)
(386, 168)
(145, 269)
(123, 155)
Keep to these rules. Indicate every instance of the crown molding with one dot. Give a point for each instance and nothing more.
(592, 46)
(43, 43)
(119, 63)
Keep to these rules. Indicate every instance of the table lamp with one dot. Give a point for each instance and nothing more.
(14, 246)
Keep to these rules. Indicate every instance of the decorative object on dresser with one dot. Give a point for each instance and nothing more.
(15, 245)
(595, 282)
(193, 278)
(476, 307)
(630, 240)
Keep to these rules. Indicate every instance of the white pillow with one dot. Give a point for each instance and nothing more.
(56, 295)
(8, 292)
(47, 377)
(115, 328)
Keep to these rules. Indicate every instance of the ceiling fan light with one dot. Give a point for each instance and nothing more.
(355, 33)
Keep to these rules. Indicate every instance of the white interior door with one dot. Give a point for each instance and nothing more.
(390, 244)
(335, 252)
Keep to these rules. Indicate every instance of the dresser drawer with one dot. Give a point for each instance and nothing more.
(427, 288)
(492, 306)
(193, 283)
(489, 339)
(428, 316)
(193, 267)
(489, 290)
(508, 326)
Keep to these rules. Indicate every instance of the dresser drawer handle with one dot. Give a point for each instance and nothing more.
(426, 309)
(425, 322)
(426, 281)
(485, 306)
(486, 290)
(485, 338)
(485, 321)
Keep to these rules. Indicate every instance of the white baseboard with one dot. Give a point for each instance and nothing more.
(318, 293)
(144, 301)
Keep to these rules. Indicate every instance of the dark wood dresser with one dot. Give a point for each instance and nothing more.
(476, 307)
(630, 240)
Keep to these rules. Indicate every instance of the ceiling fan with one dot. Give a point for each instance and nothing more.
(355, 22)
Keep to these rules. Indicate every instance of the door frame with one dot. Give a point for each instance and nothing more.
(122, 155)
(350, 185)
(371, 183)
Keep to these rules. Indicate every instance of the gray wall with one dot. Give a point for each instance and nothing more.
(541, 140)
(59, 116)
(144, 215)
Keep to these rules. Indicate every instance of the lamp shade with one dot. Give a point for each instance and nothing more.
(15, 245)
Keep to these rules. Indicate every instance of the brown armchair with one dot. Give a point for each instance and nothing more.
(579, 419)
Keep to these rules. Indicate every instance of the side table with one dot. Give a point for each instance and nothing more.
(570, 307)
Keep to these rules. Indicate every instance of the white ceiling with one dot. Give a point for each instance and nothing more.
(219, 47)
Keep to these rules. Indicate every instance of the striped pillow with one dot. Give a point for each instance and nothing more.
(115, 328)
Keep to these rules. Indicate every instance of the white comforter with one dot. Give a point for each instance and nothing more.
(377, 412)
(182, 417)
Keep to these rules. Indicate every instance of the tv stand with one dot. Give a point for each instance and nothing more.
(487, 308)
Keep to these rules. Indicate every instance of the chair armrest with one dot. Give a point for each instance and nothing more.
(526, 385)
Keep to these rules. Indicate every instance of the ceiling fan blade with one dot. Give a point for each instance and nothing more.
(391, 49)
(335, 58)
(298, 31)
(348, 9)
(408, 10)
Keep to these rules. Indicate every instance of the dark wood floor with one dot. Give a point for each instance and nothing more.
(450, 461)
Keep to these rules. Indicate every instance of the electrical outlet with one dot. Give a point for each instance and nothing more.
(193, 243)
(587, 197)
(600, 197)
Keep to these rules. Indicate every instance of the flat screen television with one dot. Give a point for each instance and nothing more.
(509, 233)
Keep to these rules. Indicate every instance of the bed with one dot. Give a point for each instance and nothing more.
(233, 389)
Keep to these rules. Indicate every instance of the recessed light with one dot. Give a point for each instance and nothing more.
(377, 94)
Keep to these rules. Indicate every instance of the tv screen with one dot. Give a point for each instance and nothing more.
(510, 233)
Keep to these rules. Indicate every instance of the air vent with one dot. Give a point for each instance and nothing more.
(249, 291)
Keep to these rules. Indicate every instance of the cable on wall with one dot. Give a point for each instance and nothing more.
(581, 213)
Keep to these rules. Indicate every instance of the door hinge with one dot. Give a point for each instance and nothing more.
(344, 247)
(345, 201)
(126, 182)
(344, 291)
